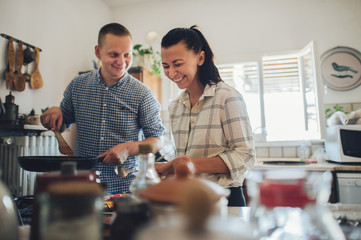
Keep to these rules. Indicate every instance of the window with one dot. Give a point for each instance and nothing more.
(280, 95)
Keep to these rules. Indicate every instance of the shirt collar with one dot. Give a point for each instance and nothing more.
(209, 91)
(100, 79)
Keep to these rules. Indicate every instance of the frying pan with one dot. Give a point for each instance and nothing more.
(53, 163)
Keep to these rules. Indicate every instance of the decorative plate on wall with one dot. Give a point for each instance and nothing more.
(341, 68)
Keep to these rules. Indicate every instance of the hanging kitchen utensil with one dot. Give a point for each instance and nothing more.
(29, 56)
(19, 79)
(26, 75)
(36, 81)
(9, 72)
(63, 146)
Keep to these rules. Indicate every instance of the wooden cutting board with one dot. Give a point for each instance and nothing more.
(19, 79)
(36, 81)
(9, 72)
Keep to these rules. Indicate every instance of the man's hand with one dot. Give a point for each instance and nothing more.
(52, 118)
(116, 155)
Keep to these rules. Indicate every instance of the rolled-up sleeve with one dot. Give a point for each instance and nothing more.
(239, 156)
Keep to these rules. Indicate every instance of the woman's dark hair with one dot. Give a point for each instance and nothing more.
(194, 40)
(113, 28)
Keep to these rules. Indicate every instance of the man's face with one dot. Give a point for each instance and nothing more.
(115, 55)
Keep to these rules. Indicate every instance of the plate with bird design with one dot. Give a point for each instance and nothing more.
(341, 68)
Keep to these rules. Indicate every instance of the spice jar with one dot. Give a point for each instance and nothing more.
(71, 211)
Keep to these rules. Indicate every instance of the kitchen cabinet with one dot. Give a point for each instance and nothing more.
(153, 81)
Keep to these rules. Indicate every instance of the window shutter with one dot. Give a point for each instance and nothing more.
(241, 76)
(280, 73)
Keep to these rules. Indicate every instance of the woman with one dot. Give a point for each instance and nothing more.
(209, 119)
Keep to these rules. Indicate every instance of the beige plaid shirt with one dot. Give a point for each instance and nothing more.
(218, 125)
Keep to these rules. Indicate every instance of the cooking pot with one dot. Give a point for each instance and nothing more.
(53, 163)
(187, 207)
(168, 197)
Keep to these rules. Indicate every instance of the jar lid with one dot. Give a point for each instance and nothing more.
(9, 98)
(75, 188)
(146, 148)
(169, 190)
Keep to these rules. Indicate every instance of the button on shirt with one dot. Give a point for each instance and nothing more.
(109, 115)
(217, 125)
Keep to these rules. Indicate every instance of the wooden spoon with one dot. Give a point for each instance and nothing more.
(36, 81)
(63, 146)
(9, 73)
(19, 80)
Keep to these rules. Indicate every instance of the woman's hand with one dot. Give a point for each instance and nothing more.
(167, 169)
(116, 155)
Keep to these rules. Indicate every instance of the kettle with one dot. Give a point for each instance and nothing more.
(8, 217)
(9, 111)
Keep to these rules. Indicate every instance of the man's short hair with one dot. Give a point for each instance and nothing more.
(113, 28)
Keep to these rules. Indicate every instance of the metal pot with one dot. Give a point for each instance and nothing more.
(29, 56)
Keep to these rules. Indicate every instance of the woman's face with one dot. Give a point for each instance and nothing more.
(181, 65)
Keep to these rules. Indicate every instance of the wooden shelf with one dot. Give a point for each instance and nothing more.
(153, 81)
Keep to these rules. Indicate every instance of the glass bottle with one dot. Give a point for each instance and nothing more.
(147, 175)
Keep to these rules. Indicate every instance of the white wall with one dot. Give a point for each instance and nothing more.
(238, 30)
(65, 30)
(242, 30)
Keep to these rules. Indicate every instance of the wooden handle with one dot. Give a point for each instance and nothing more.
(11, 55)
(19, 57)
(37, 53)
(9, 72)
(19, 79)
(64, 148)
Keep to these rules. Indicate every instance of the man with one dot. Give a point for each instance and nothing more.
(111, 109)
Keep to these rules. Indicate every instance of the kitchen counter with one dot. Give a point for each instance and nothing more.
(262, 164)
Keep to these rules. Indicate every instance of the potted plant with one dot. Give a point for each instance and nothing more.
(147, 58)
(336, 108)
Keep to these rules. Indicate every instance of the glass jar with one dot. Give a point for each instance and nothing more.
(147, 174)
(131, 215)
(291, 204)
(72, 211)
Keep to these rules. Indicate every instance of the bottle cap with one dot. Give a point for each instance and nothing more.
(9, 99)
(146, 148)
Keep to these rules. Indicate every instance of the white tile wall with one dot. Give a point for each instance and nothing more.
(275, 152)
(286, 149)
(289, 152)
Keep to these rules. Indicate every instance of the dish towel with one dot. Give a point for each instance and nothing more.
(340, 118)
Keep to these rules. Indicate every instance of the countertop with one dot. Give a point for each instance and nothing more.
(262, 164)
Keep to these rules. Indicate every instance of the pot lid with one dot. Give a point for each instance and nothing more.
(170, 190)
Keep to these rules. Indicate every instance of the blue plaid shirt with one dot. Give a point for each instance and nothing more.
(109, 115)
